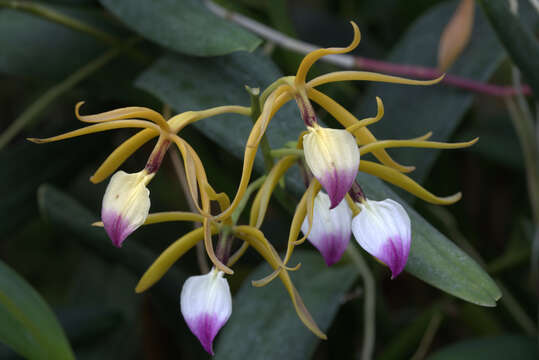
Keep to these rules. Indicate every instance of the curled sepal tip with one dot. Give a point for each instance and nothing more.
(331, 230)
(333, 157)
(383, 229)
(126, 204)
(206, 305)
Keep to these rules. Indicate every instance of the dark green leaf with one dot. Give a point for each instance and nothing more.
(186, 84)
(265, 320)
(34, 47)
(25, 167)
(65, 213)
(27, 324)
(519, 41)
(436, 260)
(411, 111)
(491, 348)
(195, 84)
(185, 26)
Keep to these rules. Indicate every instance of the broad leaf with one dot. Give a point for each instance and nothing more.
(27, 324)
(182, 25)
(45, 49)
(266, 317)
(411, 111)
(65, 213)
(491, 348)
(25, 167)
(519, 41)
(188, 84)
(195, 84)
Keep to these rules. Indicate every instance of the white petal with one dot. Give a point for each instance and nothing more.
(126, 204)
(331, 228)
(206, 305)
(333, 157)
(383, 229)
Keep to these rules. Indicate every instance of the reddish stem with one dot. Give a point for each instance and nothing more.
(421, 72)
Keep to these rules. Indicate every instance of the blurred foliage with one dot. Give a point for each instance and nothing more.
(188, 58)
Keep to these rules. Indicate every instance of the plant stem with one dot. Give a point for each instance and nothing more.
(57, 90)
(362, 63)
(369, 307)
(426, 341)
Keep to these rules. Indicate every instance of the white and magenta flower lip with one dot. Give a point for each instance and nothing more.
(332, 156)
(126, 204)
(206, 305)
(383, 229)
(331, 229)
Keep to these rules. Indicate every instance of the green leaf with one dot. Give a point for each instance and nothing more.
(26, 166)
(491, 348)
(185, 26)
(66, 214)
(194, 84)
(188, 84)
(34, 47)
(519, 41)
(435, 259)
(411, 111)
(266, 320)
(27, 324)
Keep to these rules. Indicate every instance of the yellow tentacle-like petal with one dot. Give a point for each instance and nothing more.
(367, 76)
(262, 198)
(250, 153)
(396, 178)
(168, 257)
(238, 254)
(166, 216)
(243, 233)
(195, 174)
(271, 106)
(302, 209)
(313, 56)
(384, 144)
(132, 112)
(362, 134)
(371, 120)
(118, 124)
(178, 122)
(121, 153)
(221, 198)
(209, 248)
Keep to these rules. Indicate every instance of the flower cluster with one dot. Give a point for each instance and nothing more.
(332, 208)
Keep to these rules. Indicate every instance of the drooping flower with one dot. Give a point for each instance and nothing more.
(383, 229)
(206, 305)
(126, 204)
(333, 157)
(331, 228)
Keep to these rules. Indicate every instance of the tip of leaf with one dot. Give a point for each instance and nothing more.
(98, 224)
(35, 140)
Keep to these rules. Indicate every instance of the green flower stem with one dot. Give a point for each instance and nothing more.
(255, 114)
(250, 189)
(284, 152)
(525, 129)
(428, 337)
(369, 307)
(57, 90)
